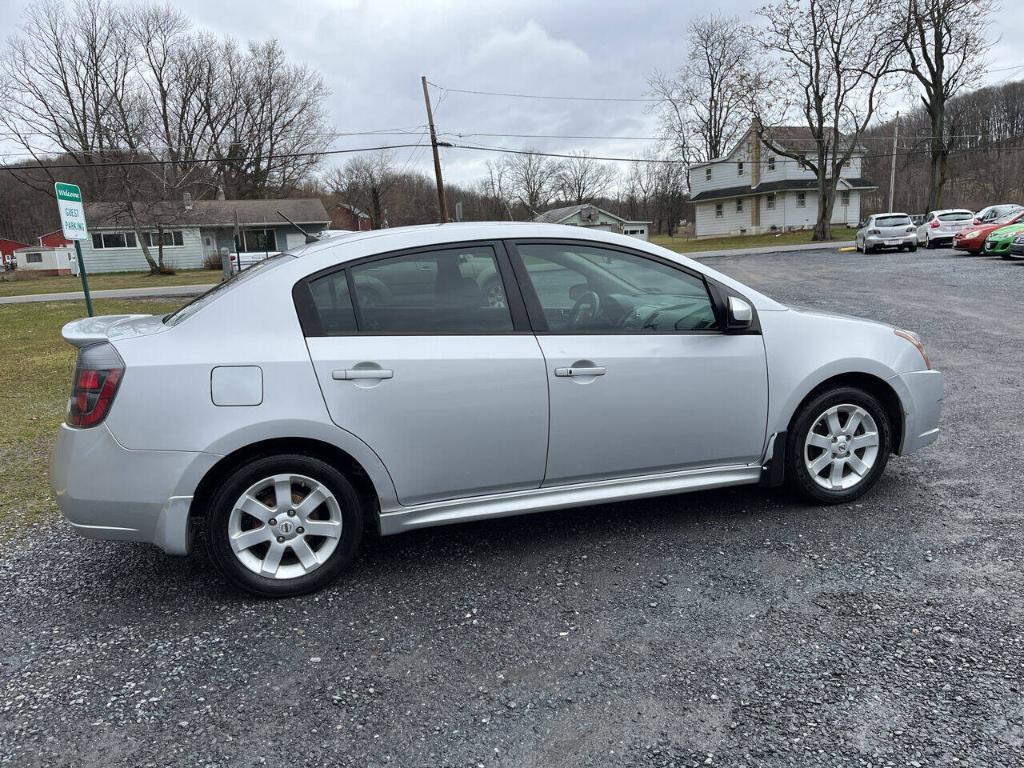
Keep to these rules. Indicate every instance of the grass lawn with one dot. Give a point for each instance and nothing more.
(692, 244)
(35, 380)
(99, 282)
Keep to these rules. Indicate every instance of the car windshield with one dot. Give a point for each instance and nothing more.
(1008, 218)
(956, 216)
(892, 221)
(232, 282)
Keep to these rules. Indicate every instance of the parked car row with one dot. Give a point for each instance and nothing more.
(997, 230)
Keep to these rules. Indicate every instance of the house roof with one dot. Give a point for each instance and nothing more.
(788, 185)
(209, 213)
(358, 212)
(795, 138)
(558, 215)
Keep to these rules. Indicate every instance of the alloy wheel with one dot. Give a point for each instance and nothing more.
(285, 526)
(841, 447)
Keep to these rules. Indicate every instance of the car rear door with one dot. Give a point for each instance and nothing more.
(447, 387)
(641, 379)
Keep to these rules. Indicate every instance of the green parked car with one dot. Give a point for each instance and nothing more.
(998, 242)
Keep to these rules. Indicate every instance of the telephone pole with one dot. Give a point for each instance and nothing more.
(892, 170)
(442, 206)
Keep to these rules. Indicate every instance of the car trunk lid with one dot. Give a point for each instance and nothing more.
(94, 330)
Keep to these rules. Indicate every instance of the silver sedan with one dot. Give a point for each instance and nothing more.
(414, 377)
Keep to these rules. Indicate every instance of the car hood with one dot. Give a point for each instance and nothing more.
(820, 313)
(1007, 232)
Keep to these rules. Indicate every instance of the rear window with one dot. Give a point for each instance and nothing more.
(956, 216)
(892, 221)
(221, 288)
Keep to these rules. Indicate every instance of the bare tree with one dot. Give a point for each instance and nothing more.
(830, 76)
(580, 178)
(494, 189)
(704, 105)
(531, 179)
(944, 45)
(365, 181)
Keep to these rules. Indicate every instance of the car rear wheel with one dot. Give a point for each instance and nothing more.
(838, 446)
(284, 525)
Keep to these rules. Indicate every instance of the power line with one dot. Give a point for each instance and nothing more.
(545, 96)
(199, 161)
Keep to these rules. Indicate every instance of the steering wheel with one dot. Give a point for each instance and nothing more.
(586, 308)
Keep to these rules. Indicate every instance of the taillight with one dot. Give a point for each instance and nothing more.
(98, 373)
(935, 224)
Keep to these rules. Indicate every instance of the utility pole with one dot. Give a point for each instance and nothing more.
(442, 206)
(892, 170)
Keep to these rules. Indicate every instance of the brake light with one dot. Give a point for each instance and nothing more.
(98, 374)
(935, 224)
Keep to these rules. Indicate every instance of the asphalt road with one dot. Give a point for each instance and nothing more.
(724, 628)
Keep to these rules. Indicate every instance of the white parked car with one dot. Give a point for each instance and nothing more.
(420, 376)
(939, 227)
(886, 230)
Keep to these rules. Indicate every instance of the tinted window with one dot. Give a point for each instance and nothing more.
(583, 289)
(451, 291)
(332, 304)
(956, 216)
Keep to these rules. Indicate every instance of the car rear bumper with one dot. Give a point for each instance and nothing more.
(921, 394)
(902, 241)
(107, 491)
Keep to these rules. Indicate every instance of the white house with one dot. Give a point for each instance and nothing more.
(592, 217)
(753, 189)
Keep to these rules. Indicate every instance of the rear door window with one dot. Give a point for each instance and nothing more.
(457, 290)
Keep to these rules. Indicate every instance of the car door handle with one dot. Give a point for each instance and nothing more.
(594, 370)
(351, 374)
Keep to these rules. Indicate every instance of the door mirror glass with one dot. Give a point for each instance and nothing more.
(741, 314)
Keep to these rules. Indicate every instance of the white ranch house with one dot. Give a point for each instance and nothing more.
(194, 230)
(753, 190)
(592, 217)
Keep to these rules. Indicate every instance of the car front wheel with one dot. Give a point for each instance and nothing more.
(284, 525)
(838, 446)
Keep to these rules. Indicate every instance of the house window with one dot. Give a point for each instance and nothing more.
(33, 258)
(739, 205)
(801, 199)
(259, 241)
(844, 199)
(102, 240)
(771, 162)
(769, 202)
(719, 211)
(707, 173)
(171, 238)
(739, 168)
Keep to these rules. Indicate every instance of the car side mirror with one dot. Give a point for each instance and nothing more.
(741, 315)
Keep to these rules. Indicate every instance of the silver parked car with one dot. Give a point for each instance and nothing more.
(378, 380)
(939, 227)
(887, 230)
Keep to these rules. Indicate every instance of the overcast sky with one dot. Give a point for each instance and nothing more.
(372, 54)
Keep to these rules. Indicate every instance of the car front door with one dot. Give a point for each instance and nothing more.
(641, 378)
(445, 386)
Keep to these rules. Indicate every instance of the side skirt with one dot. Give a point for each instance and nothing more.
(563, 496)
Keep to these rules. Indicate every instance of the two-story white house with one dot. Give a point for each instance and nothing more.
(754, 189)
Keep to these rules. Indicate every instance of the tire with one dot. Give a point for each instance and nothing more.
(929, 244)
(912, 248)
(337, 512)
(853, 483)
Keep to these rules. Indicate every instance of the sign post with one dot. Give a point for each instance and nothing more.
(72, 221)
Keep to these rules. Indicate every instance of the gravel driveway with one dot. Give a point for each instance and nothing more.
(723, 628)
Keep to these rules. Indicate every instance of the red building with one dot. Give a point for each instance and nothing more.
(7, 249)
(55, 239)
(349, 217)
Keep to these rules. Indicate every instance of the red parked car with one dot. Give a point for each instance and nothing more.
(972, 239)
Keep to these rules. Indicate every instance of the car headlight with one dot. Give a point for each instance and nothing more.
(914, 339)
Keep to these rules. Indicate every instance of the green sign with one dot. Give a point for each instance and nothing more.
(72, 213)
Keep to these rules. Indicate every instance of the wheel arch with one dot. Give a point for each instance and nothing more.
(878, 387)
(369, 494)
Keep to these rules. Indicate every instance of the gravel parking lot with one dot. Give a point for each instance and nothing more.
(724, 628)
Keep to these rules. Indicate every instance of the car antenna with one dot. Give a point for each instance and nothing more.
(309, 238)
